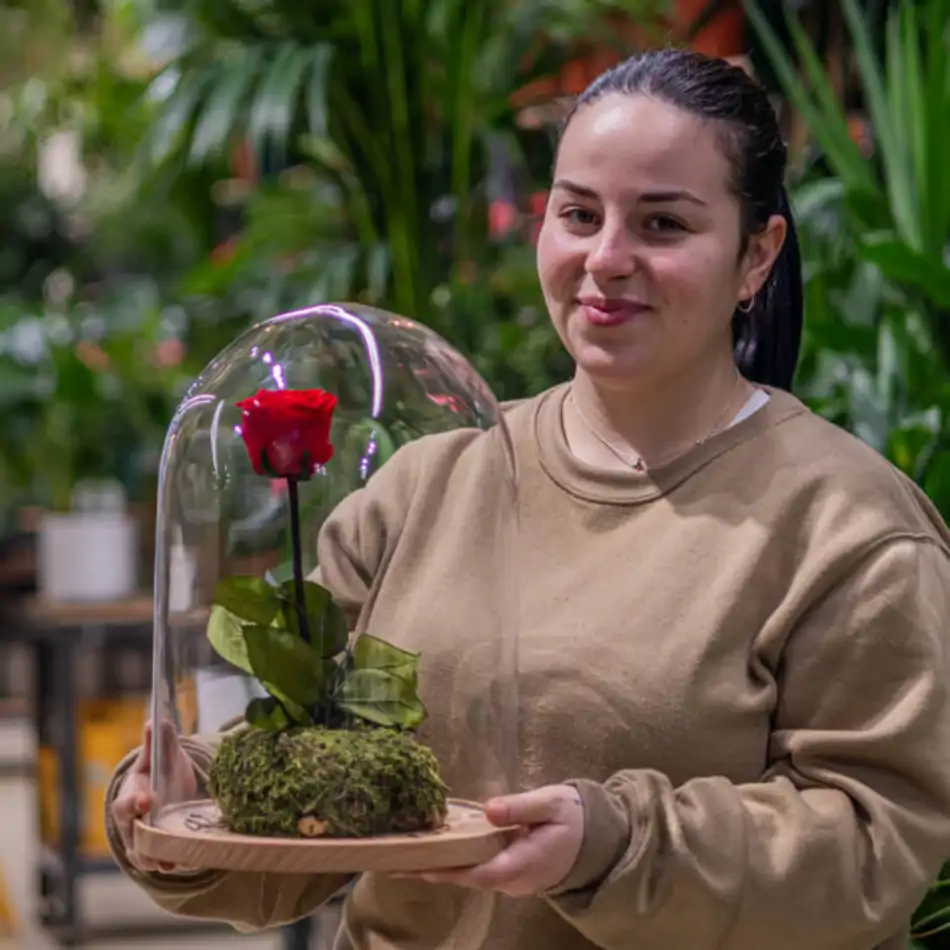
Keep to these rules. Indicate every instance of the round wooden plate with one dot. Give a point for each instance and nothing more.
(190, 835)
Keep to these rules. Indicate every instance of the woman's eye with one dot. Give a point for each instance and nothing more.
(664, 224)
(579, 217)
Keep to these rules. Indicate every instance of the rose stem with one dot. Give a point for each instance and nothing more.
(298, 557)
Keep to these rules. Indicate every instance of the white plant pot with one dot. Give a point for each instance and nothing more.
(88, 556)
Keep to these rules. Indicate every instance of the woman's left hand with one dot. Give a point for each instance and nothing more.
(551, 821)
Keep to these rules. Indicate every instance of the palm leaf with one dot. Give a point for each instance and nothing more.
(223, 109)
(168, 133)
(275, 102)
(816, 102)
(393, 103)
(888, 129)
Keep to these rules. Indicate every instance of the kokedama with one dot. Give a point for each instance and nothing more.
(329, 752)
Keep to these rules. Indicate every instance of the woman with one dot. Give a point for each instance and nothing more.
(733, 653)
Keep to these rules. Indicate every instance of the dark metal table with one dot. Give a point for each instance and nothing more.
(58, 635)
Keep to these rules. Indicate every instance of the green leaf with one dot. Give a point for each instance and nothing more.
(247, 597)
(317, 95)
(902, 264)
(280, 574)
(294, 710)
(272, 112)
(266, 713)
(936, 483)
(282, 658)
(813, 97)
(221, 112)
(910, 446)
(326, 622)
(226, 634)
(383, 698)
(935, 187)
(816, 196)
(165, 136)
(371, 653)
(933, 923)
(890, 136)
(377, 274)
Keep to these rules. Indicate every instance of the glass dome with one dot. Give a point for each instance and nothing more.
(291, 506)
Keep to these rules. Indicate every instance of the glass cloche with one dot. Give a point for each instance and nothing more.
(335, 603)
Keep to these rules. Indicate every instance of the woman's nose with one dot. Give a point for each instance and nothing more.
(612, 254)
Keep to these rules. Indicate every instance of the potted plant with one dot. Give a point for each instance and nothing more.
(87, 395)
(329, 750)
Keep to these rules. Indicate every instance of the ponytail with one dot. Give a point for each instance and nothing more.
(767, 340)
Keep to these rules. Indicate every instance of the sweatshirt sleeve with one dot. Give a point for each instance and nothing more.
(353, 546)
(357, 540)
(838, 842)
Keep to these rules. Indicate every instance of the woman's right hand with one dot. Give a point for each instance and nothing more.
(135, 798)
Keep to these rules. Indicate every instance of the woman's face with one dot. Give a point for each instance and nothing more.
(638, 255)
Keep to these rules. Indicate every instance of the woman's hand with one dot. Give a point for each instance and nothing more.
(551, 821)
(135, 798)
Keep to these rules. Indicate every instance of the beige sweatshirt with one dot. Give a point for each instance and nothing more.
(742, 660)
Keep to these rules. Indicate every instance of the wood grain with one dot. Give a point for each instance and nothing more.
(190, 835)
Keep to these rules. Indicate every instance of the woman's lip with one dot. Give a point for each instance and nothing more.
(611, 314)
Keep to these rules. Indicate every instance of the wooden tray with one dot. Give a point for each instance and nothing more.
(190, 835)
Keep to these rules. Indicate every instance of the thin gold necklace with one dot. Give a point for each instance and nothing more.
(639, 465)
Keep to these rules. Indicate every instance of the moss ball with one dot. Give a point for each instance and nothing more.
(335, 783)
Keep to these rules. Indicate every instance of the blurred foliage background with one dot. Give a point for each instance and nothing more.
(173, 170)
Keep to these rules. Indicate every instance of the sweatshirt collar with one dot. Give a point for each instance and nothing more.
(630, 487)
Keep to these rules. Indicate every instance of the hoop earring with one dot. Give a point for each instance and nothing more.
(745, 306)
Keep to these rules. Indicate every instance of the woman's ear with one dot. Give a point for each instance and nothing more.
(762, 252)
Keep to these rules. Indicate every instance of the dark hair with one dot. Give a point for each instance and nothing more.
(768, 338)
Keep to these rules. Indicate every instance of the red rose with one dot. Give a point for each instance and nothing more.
(287, 431)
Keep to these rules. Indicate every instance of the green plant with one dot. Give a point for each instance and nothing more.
(86, 391)
(899, 199)
(381, 131)
(291, 635)
(94, 346)
(313, 783)
(931, 920)
(328, 751)
(875, 228)
(318, 680)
